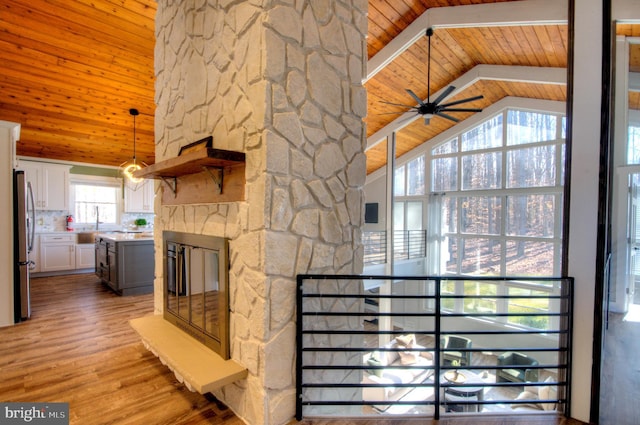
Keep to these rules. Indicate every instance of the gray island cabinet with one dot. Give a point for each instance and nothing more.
(125, 262)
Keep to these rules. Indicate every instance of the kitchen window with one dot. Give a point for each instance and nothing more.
(88, 193)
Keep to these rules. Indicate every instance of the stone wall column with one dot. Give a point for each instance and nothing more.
(282, 82)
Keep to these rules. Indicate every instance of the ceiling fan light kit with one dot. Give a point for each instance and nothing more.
(430, 109)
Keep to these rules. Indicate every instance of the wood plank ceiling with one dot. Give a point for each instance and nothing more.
(455, 50)
(71, 70)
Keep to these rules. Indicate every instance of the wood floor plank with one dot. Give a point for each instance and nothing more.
(79, 348)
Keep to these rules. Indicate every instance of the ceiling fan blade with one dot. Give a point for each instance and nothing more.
(415, 96)
(444, 94)
(449, 117)
(397, 104)
(461, 110)
(457, 102)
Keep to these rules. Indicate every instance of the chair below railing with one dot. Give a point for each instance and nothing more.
(426, 352)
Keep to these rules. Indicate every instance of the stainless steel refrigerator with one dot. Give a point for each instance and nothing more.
(24, 226)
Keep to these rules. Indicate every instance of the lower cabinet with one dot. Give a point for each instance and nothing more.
(60, 252)
(85, 256)
(127, 267)
(101, 261)
(57, 253)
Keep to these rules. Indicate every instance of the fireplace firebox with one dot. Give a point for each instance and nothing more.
(196, 297)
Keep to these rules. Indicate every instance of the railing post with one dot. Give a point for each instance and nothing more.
(299, 346)
(436, 352)
(566, 339)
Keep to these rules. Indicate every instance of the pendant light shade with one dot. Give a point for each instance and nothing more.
(129, 167)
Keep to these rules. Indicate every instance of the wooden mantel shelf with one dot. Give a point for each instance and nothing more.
(200, 368)
(192, 163)
(204, 175)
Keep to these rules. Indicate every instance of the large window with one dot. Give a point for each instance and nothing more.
(409, 179)
(633, 145)
(409, 236)
(500, 187)
(488, 202)
(95, 199)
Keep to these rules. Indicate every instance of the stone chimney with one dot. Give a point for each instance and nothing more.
(281, 82)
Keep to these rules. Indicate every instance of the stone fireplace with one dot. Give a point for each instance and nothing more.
(280, 82)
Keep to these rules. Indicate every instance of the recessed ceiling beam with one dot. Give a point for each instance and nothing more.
(526, 12)
(523, 74)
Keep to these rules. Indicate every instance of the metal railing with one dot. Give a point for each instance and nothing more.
(407, 244)
(344, 361)
(375, 247)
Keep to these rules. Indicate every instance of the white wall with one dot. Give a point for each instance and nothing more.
(375, 191)
(9, 134)
(584, 193)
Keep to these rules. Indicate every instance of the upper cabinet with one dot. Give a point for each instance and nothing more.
(140, 200)
(50, 184)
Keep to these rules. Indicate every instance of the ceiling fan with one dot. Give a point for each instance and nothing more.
(430, 109)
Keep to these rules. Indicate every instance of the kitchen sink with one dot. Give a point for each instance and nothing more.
(86, 237)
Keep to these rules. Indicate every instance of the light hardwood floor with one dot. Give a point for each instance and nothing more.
(78, 348)
(620, 388)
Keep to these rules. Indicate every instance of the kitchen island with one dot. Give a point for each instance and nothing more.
(125, 262)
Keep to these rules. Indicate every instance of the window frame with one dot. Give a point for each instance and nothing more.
(504, 193)
(81, 179)
(448, 140)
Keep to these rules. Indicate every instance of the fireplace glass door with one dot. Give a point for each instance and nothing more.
(195, 295)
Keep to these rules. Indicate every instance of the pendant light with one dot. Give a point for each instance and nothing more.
(129, 167)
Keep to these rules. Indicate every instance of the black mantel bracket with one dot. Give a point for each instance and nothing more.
(217, 179)
(172, 182)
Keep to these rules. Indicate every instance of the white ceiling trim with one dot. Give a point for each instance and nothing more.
(524, 74)
(525, 12)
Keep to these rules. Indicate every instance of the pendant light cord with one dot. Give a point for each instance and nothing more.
(134, 112)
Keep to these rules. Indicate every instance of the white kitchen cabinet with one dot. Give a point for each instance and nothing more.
(50, 183)
(140, 200)
(57, 252)
(85, 256)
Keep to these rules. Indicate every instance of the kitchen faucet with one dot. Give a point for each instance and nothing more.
(97, 217)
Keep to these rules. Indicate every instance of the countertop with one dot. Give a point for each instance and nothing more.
(76, 231)
(126, 236)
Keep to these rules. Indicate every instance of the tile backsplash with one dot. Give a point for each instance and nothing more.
(56, 221)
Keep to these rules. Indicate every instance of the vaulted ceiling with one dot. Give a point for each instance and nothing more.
(71, 70)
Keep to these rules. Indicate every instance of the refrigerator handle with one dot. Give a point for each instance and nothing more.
(31, 218)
